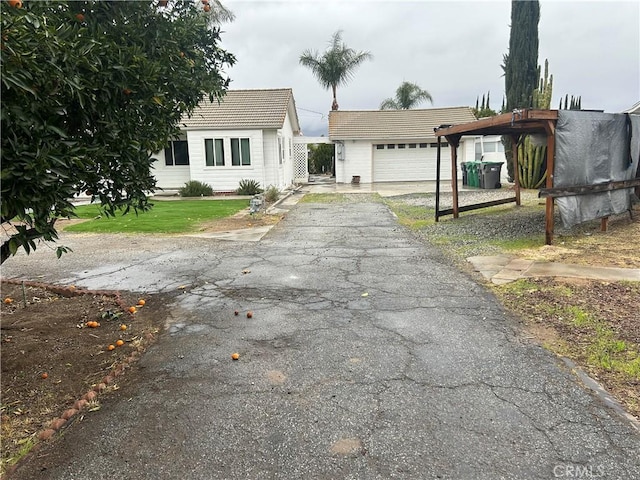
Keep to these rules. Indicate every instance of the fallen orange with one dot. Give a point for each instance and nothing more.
(235, 356)
(123, 327)
(111, 347)
(119, 343)
(249, 314)
(141, 302)
(133, 309)
(8, 300)
(45, 375)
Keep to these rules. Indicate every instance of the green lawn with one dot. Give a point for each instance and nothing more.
(164, 217)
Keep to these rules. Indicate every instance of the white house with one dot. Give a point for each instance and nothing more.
(395, 145)
(248, 135)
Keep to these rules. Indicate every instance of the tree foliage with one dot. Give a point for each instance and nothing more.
(321, 157)
(408, 95)
(483, 110)
(521, 62)
(89, 89)
(336, 66)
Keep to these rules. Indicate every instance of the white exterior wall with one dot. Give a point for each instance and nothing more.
(287, 167)
(225, 178)
(271, 167)
(170, 177)
(358, 159)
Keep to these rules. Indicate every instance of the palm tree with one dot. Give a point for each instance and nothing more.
(408, 95)
(335, 66)
(221, 14)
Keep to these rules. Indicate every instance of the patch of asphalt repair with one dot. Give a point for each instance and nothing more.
(367, 356)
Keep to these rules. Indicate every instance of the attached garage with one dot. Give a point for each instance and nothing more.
(393, 145)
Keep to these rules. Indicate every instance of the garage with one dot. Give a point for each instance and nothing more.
(408, 162)
(394, 145)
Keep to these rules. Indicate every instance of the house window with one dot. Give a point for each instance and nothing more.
(177, 153)
(240, 152)
(412, 145)
(379, 147)
(214, 152)
(391, 146)
(435, 145)
(423, 145)
(401, 145)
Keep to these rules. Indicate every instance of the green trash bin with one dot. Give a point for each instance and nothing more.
(473, 174)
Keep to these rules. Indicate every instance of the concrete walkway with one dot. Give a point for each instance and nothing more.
(501, 269)
(368, 356)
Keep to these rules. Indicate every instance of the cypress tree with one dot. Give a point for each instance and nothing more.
(521, 63)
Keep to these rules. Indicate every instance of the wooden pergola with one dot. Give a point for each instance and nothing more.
(516, 124)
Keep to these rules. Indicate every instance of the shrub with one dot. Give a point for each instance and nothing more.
(248, 187)
(272, 194)
(194, 188)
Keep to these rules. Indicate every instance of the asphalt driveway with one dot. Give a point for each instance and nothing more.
(368, 356)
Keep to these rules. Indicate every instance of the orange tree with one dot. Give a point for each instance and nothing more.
(89, 90)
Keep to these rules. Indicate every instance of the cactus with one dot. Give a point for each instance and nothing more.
(531, 158)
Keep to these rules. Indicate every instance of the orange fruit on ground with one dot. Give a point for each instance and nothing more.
(80, 17)
(111, 347)
(119, 343)
(123, 327)
(15, 3)
(133, 309)
(249, 314)
(8, 300)
(207, 8)
(45, 375)
(141, 302)
(235, 356)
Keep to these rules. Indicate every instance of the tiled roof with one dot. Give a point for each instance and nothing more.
(245, 109)
(394, 124)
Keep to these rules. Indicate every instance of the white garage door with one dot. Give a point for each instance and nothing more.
(409, 162)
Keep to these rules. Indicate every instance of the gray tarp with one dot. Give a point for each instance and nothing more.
(593, 148)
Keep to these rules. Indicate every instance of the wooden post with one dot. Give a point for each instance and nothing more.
(516, 172)
(453, 143)
(603, 224)
(438, 162)
(551, 156)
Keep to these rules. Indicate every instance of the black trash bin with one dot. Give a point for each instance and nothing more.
(463, 169)
(490, 175)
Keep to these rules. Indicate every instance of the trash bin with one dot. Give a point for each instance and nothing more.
(490, 175)
(463, 169)
(472, 174)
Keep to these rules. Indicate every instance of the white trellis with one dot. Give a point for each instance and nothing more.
(301, 156)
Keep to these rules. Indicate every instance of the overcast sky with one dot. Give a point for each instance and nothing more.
(453, 49)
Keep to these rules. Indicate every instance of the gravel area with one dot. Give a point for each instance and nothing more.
(471, 229)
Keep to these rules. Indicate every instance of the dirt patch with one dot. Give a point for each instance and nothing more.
(613, 248)
(594, 323)
(51, 357)
(239, 221)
